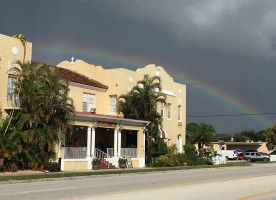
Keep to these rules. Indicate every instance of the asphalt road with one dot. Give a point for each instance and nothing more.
(258, 181)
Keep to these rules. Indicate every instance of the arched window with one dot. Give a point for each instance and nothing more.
(179, 143)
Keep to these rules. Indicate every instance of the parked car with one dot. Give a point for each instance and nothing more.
(240, 156)
(265, 155)
(254, 156)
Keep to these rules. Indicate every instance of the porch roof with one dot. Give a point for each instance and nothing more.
(91, 117)
(244, 143)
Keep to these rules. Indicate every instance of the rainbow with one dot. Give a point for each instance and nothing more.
(229, 100)
(117, 59)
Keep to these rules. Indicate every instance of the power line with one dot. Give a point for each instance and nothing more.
(233, 115)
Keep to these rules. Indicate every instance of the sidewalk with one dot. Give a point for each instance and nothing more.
(30, 172)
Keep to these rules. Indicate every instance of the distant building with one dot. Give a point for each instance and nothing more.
(245, 146)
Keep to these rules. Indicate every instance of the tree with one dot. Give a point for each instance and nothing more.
(238, 137)
(222, 136)
(269, 136)
(201, 134)
(44, 114)
(141, 103)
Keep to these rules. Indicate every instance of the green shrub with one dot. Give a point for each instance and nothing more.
(166, 161)
(162, 148)
(122, 161)
(189, 148)
(52, 166)
(96, 161)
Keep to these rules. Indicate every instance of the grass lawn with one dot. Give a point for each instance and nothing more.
(105, 172)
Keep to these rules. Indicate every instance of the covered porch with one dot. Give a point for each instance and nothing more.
(107, 138)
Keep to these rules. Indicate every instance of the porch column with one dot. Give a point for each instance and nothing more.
(88, 142)
(119, 142)
(115, 142)
(144, 144)
(93, 142)
(59, 143)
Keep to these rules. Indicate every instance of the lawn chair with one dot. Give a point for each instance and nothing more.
(129, 162)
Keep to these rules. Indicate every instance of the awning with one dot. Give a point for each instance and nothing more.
(163, 133)
(239, 150)
(91, 117)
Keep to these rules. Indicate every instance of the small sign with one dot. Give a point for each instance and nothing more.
(107, 124)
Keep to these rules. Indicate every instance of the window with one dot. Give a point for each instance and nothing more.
(162, 109)
(88, 102)
(157, 73)
(179, 113)
(12, 98)
(113, 104)
(11, 84)
(169, 110)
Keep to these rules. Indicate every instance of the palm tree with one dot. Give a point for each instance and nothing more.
(269, 136)
(141, 103)
(201, 134)
(45, 109)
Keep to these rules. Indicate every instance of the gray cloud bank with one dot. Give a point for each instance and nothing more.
(229, 44)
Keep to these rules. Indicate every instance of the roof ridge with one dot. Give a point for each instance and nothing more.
(74, 76)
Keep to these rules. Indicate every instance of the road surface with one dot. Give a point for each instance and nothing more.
(255, 182)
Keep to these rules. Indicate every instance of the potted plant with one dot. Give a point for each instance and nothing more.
(122, 162)
(182, 159)
(95, 163)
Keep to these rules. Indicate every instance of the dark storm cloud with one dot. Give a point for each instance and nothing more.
(230, 44)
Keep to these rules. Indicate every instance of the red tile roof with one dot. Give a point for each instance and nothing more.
(76, 77)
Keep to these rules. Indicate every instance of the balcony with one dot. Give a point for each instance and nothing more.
(13, 100)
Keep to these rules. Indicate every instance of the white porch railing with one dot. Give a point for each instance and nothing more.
(132, 152)
(102, 156)
(13, 100)
(110, 152)
(75, 152)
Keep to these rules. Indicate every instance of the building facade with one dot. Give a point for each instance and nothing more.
(98, 132)
(11, 51)
(120, 81)
(103, 136)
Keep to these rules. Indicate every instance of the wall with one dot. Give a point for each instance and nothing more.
(76, 93)
(6, 57)
(75, 165)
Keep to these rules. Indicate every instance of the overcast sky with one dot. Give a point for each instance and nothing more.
(224, 50)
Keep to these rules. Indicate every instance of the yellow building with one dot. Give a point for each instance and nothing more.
(120, 81)
(99, 131)
(11, 50)
(104, 136)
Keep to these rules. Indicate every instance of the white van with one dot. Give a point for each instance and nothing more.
(228, 154)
